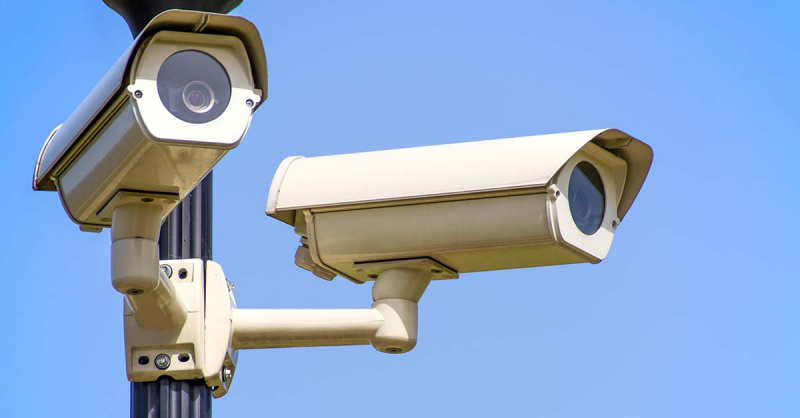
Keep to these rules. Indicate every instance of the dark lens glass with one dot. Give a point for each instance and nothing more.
(198, 97)
(193, 86)
(587, 199)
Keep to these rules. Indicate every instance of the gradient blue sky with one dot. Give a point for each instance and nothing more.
(693, 314)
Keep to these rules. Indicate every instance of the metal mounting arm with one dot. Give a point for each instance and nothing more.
(207, 345)
(390, 325)
(280, 328)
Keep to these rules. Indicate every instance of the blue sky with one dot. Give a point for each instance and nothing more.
(692, 314)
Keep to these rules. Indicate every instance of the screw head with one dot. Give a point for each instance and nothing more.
(137, 94)
(162, 361)
(249, 103)
(167, 270)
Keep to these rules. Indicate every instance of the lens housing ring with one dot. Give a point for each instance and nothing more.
(193, 86)
(587, 199)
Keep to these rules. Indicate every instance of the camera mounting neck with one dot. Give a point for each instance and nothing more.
(135, 268)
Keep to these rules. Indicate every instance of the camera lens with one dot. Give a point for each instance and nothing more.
(198, 97)
(193, 86)
(587, 200)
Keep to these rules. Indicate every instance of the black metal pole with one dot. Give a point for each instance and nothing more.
(185, 234)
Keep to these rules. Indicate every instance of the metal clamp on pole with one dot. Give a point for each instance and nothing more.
(199, 349)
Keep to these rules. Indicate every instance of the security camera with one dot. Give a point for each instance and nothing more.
(467, 207)
(173, 104)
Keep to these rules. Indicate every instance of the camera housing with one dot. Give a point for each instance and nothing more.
(476, 206)
(174, 103)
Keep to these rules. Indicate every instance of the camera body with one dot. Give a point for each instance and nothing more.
(173, 104)
(478, 206)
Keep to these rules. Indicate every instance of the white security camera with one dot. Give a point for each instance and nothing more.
(468, 207)
(173, 104)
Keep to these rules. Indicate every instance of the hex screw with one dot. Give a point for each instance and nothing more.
(137, 94)
(249, 103)
(162, 362)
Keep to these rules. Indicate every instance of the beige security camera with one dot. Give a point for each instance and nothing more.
(469, 207)
(173, 104)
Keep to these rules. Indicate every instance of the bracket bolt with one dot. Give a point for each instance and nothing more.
(249, 103)
(162, 361)
(137, 94)
(167, 270)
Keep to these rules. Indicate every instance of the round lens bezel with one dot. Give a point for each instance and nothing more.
(586, 177)
(187, 69)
